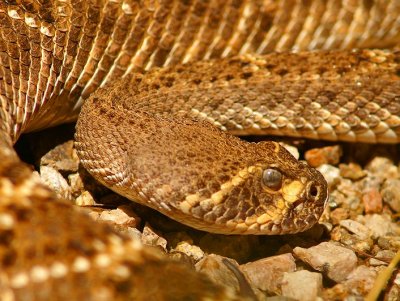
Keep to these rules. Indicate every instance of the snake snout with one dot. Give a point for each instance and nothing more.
(314, 191)
(317, 189)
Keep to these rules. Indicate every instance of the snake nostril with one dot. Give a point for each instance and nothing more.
(313, 191)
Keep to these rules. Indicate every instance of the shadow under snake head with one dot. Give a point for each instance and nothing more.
(197, 174)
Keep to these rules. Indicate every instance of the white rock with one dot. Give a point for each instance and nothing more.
(302, 285)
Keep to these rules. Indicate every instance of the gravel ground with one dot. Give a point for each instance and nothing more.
(338, 259)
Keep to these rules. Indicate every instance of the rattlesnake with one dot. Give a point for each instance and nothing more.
(55, 54)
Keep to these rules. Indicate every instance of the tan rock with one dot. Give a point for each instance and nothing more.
(266, 274)
(331, 258)
(150, 237)
(226, 271)
(302, 285)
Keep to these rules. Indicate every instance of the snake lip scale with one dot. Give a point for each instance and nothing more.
(163, 136)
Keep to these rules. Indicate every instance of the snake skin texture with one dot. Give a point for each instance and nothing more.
(55, 54)
(334, 95)
(148, 151)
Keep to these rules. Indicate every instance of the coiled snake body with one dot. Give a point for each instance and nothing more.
(55, 54)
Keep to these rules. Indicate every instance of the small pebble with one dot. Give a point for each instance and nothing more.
(218, 271)
(372, 200)
(131, 232)
(379, 224)
(328, 257)
(391, 194)
(266, 274)
(339, 214)
(55, 181)
(352, 171)
(360, 280)
(302, 285)
(85, 199)
(385, 255)
(76, 184)
(122, 216)
(325, 155)
(383, 168)
(331, 175)
(361, 231)
(62, 158)
(151, 238)
(192, 251)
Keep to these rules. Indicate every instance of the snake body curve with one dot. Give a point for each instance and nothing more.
(54, 54)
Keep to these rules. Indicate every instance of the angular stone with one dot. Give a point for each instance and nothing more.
(331, 174)
(325, 155)
(302, 285)
(121, 216)
(62, 158)
(53, 179)
(361, 280)
(382, 168)
(192, 251)
(391, 194)
(76, 183)
(266, 274)
(361, 231)
(226, 271)
(379, 224)
(85, 199)
(150, 237)
(330, 258)
(383, 257)
(338, 215)
(372, 200)
(352, 171)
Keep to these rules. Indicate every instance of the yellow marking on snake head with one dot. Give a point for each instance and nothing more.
(185, 207)
(277, 147)
(243, 173)
(273, 213)
(252, 169)
(193, 199)
(280, 204)
(291, 191)
(237, 180)
(226, 186)
(207, 204)
(218, 197)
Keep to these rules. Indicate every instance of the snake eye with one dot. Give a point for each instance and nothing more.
(272, 178)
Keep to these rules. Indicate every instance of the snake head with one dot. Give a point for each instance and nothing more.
(290, 195)
(273, 193)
